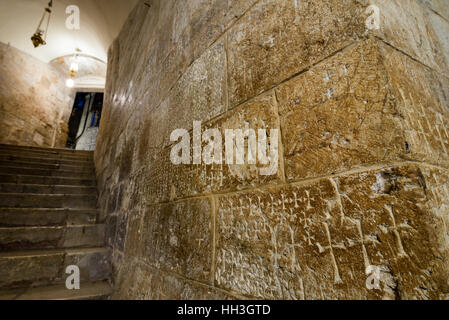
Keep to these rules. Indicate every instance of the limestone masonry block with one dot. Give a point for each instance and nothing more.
(172, 242)
(277, 39)
(315, 241)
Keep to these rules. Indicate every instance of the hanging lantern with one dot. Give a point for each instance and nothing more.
(73, 70)
(40, 36)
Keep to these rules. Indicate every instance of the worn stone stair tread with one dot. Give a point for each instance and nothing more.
(69, 151)
(81, 168)
(49, 156)
(65, 152)
(52, 180)
(43, 194)
(44, 172)
(44, 160)
(35, 253)
(48, 237)
(94, 290)
(47, 210)
(36, 200)
(24, 217)
(45, 189)
(42, 209)
(30, 268)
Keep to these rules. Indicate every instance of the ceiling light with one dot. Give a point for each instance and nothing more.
(70, 83)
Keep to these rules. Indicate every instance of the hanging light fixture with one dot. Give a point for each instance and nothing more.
(74, 68)
(40, 36)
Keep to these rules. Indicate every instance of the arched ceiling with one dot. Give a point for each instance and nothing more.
(91, 72)
(101, 21)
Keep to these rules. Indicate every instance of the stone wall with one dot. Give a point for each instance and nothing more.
(362, 181)
(35, 105)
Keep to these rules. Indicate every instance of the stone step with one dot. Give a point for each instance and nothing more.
(53, 237)
(46, 189)
(44, 172)
(70, 152)
(44, 160)
(89, 291)
(20, 217)
(87, 168)
(42, 149)
(47, 155)
(22, 200)
(31, 179)
(26, 269)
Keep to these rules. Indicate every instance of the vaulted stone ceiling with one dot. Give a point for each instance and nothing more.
(101, 21)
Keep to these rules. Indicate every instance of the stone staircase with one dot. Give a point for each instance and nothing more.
(48, 221)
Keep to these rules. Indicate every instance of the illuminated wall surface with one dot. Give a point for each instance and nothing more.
(362, 177)
(35, 104)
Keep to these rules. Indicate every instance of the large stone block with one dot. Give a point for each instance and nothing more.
(168, 181)
(370, 104)
(134, 244)
(403, 231)
(422, 103)
(277, 39)
(173, 243)
(316, 241)
(147, 283)
(201, 22)
(340, 114)
(263, 242)
(439, 6)
(185, 30)
(152, 133)
(437, 191)
(200, 94)
(416, 30)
